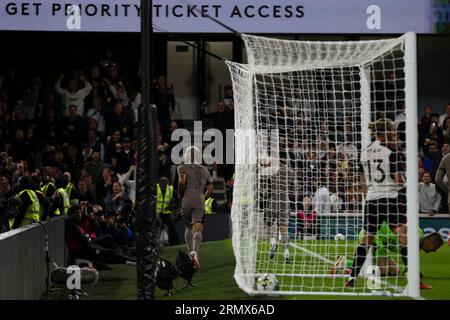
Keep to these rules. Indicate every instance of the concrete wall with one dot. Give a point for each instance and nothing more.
(23, 270)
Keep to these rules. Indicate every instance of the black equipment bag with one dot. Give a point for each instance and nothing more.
(166, 272)
(185, 266)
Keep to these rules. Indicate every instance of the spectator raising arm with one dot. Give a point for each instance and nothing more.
(130, 184)
(442, 172)
(83, 93)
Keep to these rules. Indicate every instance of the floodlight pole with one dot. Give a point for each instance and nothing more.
(146, 173)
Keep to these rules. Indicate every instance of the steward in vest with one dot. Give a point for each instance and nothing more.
(164, 208)
(61, 200)
(72, 192)
(210, 206)
(28, 207)
(48, 187)
(165, 197)
(45, 205)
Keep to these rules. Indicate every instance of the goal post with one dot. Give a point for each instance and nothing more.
(302, 114)
(244, 214)
(413, 289)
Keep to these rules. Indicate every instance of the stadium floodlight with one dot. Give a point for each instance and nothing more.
(317, 99)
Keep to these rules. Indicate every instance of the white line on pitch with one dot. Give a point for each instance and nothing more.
(321, 258)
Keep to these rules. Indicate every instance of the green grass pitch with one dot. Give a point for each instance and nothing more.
(215, 279)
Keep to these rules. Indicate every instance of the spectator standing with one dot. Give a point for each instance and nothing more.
(118, 120)
(86, 153)
(86, 194)
(442, 175)
(19, 148)
(434, 133)
(104, 186)
(96, 145)
(96, 113)
(116, 199)
(322, 201)
(446, 130)
(111, 146)
(220, 117)
(74, 128)
(49, 128)
(429, 198)
(72, 95)
(94, 168)
(424, 123)
(126, 156)
(73, 162)
(445, 115)
(128, 183)
(164, 99)
(119, 93)
(432, 157)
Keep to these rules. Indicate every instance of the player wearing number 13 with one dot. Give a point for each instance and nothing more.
(383, 176)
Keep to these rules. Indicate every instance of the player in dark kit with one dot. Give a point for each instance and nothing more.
(383, 177)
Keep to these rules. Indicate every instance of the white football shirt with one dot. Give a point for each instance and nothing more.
(380, 163)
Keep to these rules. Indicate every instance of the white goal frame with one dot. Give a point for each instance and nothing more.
(245, 260)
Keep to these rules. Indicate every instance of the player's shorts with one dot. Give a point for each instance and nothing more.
(281, 216)
(193, 215)
(385, 209)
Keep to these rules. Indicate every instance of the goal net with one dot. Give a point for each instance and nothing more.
(302, 116)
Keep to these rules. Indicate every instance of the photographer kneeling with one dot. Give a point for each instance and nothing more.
(82, 246)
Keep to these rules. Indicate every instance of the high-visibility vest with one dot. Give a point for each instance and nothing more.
(66, 201)
(164, 200)
(41, 207)
(69, 189)
(209, 205)
(44, 187)
(32, 214)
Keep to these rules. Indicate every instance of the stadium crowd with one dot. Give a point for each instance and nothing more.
(69, 147)
(72, 141)
(434, 147)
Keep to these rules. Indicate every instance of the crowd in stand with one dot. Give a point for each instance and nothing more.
(69, 143)
(72, 139)
(434, 145)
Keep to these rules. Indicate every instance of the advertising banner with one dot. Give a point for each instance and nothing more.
(441, 225)
(249, 16)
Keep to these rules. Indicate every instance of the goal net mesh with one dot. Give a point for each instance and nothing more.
(302, 111)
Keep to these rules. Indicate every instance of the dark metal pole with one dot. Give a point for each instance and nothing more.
(146, 247)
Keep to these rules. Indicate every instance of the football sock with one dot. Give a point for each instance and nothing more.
(188, 238)
(197, 240)
(358, 261)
